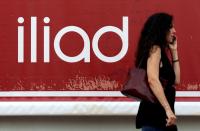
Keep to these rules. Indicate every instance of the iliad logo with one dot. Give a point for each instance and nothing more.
(85, 53)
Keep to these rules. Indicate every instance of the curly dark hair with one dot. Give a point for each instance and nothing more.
(153, 33)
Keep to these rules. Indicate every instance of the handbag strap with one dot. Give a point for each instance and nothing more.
(140, 61)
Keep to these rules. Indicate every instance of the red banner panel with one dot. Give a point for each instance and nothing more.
(73, 46)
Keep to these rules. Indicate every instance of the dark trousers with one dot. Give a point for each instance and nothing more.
(151, 128)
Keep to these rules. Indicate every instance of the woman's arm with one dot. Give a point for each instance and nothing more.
(153, 64)
(175, 61)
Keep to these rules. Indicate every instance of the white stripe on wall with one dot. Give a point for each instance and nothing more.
(82, 93)
(86, 108)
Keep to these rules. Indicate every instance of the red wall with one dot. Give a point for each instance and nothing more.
(90, 15)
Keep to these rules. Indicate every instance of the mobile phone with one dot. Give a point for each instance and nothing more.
(174, 38)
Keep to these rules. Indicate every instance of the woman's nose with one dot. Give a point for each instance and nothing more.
(173, 30)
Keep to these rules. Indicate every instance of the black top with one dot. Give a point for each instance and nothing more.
(153, 114)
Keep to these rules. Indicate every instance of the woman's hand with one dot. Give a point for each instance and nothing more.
(173, 45)
(171, 118)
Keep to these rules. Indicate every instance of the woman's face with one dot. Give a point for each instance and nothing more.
(171, 34)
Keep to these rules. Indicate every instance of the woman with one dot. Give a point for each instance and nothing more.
(157, 40)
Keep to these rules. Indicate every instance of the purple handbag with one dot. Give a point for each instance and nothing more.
(137, 86)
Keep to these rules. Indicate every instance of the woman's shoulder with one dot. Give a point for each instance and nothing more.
(155, 49)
